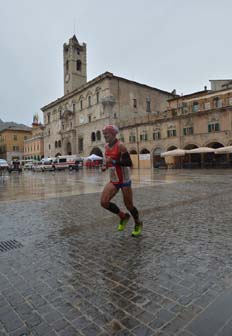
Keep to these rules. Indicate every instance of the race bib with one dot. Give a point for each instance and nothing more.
(113, 174)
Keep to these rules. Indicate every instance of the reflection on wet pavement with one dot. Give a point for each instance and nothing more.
(29, 185)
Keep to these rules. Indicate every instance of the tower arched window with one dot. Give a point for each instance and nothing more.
(93, 136)
(89, 101)
(67, 65)
(78, 65)
(98, 135)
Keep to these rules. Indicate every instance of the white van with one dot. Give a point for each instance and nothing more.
(71, 162)
(46, 164)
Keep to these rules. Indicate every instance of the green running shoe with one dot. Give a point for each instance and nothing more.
(123, 222)
(137, 229)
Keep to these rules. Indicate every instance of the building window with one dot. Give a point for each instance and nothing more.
(93, 137)
(98, 135)
(81, 104)
(217, 103)
(122, 139)
(59, 143)
(156, 135)
(188, 130)
(213, 127)
(135, 103)
(89, 101)
(74, 108)
(207, 106)
(143, 137)
(49, 117)
(15, 138)
(148, 105)
(80, 145)
(67, 66)
(132, 138)
(184, 108)
(78, 65)
(89, 118)
(195, 107)
(56, 144)
(171, 133)
(97, 95)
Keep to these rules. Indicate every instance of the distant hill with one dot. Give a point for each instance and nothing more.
(12, 124)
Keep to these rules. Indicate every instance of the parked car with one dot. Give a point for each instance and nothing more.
(28, 164)
(3, 165)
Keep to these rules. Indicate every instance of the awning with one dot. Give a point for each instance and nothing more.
(223, 150)
(200, 150)
(174, 152)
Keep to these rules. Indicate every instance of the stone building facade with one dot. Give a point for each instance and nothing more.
(73, 123)
(201, 119)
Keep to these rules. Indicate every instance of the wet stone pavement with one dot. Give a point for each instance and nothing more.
(74, 274)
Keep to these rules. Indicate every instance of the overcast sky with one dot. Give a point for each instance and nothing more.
(167, 44)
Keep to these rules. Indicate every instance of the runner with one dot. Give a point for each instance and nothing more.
(118, 161)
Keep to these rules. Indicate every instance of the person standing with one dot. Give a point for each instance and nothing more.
(118, 162)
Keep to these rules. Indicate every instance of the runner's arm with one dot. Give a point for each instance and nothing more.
(125, 159)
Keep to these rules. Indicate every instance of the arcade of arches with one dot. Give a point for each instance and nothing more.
(193, 160)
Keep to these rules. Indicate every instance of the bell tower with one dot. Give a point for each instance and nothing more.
(75, 74)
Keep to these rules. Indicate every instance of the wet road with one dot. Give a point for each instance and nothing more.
(74, 274)
(38, 185)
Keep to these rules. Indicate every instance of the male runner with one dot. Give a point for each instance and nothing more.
(118, 161)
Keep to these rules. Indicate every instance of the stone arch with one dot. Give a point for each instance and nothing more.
(96, 151)
(214, 144)
(58, 154)
(144, 151)
(133, 151)
(157, 160)
(190, 146)
(171, 147)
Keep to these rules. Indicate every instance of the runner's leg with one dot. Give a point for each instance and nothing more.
(108, 193)
(128, 201)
